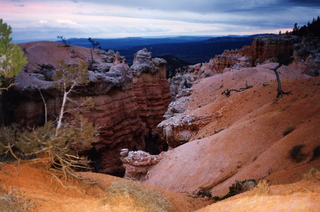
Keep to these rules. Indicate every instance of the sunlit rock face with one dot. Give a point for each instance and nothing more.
(123, 104)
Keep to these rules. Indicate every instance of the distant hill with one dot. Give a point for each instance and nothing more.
(192, 49)
(125, 43)
(192, 52)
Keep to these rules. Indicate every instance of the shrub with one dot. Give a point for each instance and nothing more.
(60, 150)
(137, 196)
(12, 202)
(262, 188)
(239, 187)
(296, 153)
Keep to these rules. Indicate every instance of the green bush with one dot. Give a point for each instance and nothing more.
(11, 56)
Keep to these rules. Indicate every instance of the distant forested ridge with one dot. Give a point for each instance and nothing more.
(311, 29)
(191, 49)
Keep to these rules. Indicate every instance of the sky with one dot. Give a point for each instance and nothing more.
(46, 19)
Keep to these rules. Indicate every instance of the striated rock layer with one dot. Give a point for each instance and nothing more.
(117, 97)
(150, 87)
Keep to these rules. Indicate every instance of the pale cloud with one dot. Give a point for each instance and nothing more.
(128, 18)
(66, 22)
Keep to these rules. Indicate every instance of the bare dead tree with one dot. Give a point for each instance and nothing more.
(64, 41)
(282, 59)
(279, 89)
(93, 45)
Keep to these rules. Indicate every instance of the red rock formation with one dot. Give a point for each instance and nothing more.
(181, 126)
(261, 49)
(219, 139)
(121, 112)
(241, 136)
(137, 163)
(227, 60)
(151, 88)
(266, 47)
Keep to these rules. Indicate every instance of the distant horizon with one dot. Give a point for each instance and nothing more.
(145, 37)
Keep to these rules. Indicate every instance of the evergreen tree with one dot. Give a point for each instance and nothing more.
(93, 43)
(311, 29)
(11, 56)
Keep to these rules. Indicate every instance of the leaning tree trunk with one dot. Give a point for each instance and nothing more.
(64, 101)
(279, 89)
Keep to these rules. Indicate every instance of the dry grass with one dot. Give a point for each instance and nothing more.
(136, 196)
(12, 202)
(262, 188)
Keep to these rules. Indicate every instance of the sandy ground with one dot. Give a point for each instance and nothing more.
(47, 190)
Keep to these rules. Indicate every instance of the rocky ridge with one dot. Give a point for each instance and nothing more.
(217, 138)
(122, 109)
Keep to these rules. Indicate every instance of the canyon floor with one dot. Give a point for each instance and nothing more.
(254, 143)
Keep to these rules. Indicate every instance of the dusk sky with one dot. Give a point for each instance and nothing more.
(46, 19)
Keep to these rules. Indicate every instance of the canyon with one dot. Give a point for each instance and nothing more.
(215, 123)
(128, 102)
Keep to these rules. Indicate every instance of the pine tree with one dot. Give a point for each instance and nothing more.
(11, 56)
